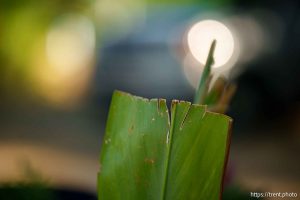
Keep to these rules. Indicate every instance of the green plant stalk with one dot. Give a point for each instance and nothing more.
(205, 78)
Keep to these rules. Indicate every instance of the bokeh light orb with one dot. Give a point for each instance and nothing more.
(200, 37)
(70, 43)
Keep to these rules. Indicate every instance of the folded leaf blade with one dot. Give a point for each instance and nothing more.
(145, 155)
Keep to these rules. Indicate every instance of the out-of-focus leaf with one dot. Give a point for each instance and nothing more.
(206, 76)
(216, 92)
(219, 97)
(147, 155)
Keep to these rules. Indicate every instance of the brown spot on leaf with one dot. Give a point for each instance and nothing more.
(131, 129)
(149, 161)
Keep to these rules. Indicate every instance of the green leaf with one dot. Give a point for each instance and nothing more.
(206, 76)
(147, 155)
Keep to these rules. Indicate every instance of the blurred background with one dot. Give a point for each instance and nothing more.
(61, 60)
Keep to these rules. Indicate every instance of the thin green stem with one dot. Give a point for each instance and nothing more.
(205, 78)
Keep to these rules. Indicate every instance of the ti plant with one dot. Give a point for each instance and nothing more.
(150, 153)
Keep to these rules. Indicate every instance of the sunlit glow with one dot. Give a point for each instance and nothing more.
(251, 37)
(63, 71)
(201, 35)
(70, 44)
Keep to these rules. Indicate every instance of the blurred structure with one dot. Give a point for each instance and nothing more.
(61, 60)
